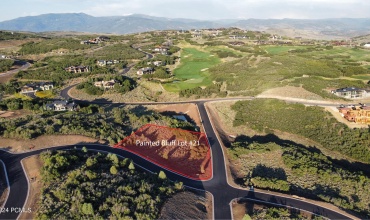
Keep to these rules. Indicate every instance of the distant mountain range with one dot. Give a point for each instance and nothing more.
(80, 22)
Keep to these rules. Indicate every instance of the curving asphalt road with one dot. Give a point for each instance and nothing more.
(222, 192)
(25, 65)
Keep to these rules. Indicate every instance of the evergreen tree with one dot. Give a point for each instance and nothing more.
(113, 170)
(162, 175)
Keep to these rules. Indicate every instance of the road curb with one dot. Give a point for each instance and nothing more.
(7, 182)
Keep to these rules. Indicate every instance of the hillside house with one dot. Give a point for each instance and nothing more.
(106, 62)
(77, 69)
(44, 86)
(351, 92)
(145, 70)
(237, 43)
(156, 63)
(105, 84)
(61, 106)
(367, 45)
(34, 87)
(102, 38)
(29, 88)
(161, 50)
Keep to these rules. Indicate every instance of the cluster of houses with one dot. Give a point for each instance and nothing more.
(77, 69)
(96, 40)
(359, 114)
(351, 93)
(34, 87)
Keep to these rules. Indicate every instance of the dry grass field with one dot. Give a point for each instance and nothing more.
(188, 205)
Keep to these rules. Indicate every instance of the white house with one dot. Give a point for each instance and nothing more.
(146, 70)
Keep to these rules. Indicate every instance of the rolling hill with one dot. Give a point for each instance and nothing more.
(339, 27)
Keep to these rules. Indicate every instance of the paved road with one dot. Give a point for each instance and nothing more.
(222, 192)
(25, 65)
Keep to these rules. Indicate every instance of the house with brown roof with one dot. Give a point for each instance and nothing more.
(360, 115)
(34, 87)
(105, 84)
(77, 69)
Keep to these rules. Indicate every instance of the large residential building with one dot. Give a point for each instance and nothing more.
(161, 50)
(61, 106)
(351, 92)
(146, 70)
(106, 62)
(77, 69)
(105, 84)
(34, 87)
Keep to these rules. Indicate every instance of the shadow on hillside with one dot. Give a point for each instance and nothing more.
(264, 139)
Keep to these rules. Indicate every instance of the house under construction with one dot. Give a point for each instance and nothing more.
(359, 115)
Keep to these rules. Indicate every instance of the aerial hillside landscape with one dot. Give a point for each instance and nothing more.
(130, 116)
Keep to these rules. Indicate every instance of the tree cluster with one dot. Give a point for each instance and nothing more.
(214, 89)
(6, 64)
(309, 173)
(49, 45)
(86, 185)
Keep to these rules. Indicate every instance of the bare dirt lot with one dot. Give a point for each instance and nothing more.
(188, 205)
(240, 208)
(14, 114)
(290, 91)
(184, 152)
(32, 166)
(44, 141)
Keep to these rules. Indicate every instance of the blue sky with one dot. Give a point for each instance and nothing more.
(197, 9)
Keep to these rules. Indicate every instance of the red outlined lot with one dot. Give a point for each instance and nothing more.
(184, 152)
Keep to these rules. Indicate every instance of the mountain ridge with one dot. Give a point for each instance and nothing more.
(134, 23)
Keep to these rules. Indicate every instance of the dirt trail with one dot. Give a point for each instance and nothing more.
(44, 141)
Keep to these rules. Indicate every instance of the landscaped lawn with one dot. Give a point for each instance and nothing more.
(362, 77)
(281, 49)
(192, 71)
(44, 94)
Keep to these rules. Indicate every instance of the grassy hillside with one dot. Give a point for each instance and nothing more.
(192, 71)
(308, 121)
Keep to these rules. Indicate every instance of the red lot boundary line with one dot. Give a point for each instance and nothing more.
(119, 145)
